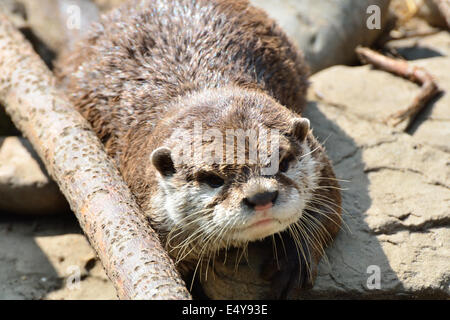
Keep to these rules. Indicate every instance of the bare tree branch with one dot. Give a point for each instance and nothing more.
(402, 68)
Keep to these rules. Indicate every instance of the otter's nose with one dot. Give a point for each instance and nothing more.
(262, 200)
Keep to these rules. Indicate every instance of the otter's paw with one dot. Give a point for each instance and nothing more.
(288, 272)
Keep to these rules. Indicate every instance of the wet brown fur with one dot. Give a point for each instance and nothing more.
(152, 66)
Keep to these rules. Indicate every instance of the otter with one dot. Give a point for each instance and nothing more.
(152, 73)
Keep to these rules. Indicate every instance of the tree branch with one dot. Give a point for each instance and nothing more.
(402, 68)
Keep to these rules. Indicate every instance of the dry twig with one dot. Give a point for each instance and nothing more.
(402, 68)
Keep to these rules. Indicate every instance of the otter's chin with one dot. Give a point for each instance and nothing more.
(263, 227)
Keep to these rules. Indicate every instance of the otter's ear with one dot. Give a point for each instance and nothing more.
(162, 161)
(299, 128)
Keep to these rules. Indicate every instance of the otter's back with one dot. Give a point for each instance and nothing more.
(144, 54)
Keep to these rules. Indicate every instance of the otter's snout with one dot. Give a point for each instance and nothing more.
(261, 199)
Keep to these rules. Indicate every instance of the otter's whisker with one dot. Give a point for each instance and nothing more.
(327, 216)
(298, 245)
(316, 223)
(275, 252)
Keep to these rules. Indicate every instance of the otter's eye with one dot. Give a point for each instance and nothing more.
(284, 164)
(211, 179)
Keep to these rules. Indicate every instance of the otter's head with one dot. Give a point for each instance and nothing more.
(234, 168)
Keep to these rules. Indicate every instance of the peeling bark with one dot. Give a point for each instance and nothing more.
(129, 249)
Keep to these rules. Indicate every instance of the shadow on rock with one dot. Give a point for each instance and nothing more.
(26, 271)
(426, 113)
(417, 52)
(357, 266)
(25, 186)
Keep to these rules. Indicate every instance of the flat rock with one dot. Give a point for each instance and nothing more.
(49, 258)
(25, 186)
(51, 25)
(106, 5)
(373, 95)
(429, 11)
(414, 48)
(396, 206)
(58, 23)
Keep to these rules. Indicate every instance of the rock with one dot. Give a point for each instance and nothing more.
(370, 98)
(25, 187)
(395, 198)
(395, 202)
(40, 258)
(106, 5)
(425, 10)
(363, 97)
(51, 25)
(327, 31)
(436, 45)
(16, 12)
(433, 124)
(94, 284)
(429, 11)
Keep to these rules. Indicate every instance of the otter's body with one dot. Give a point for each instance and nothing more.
(153, 67)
